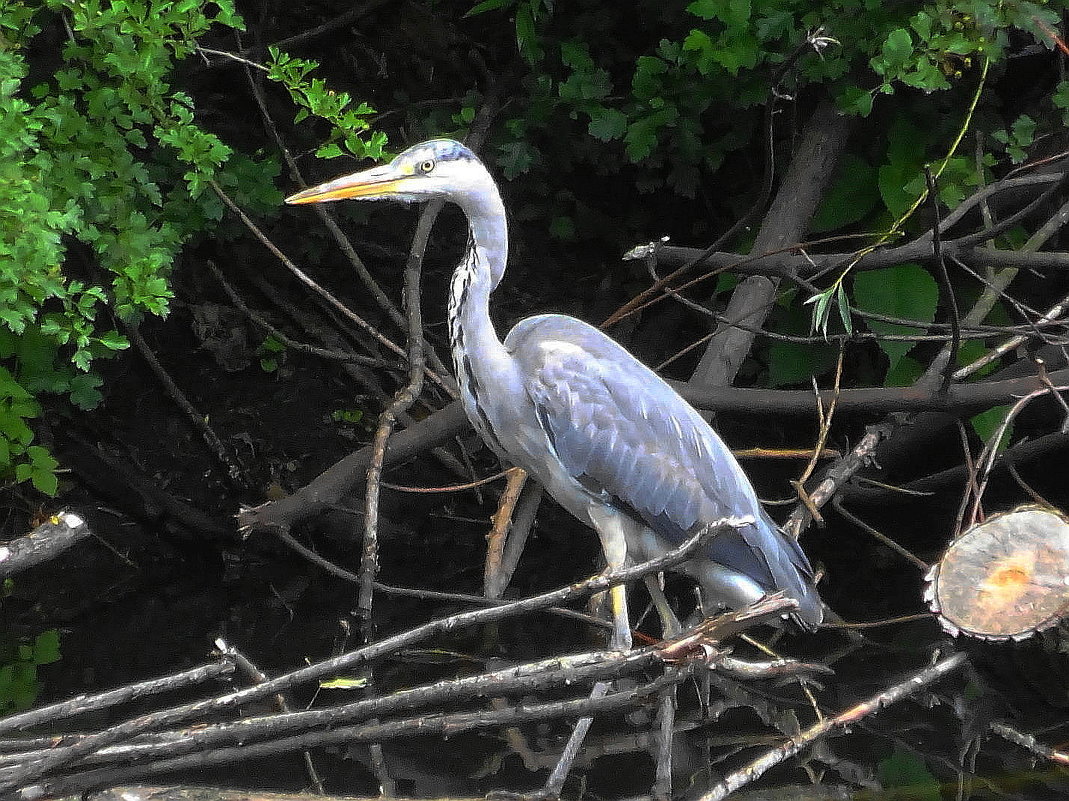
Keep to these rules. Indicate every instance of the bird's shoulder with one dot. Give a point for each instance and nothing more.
(560, 337)
(578, 374)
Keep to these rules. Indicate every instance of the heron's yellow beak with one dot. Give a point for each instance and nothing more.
(376, 182)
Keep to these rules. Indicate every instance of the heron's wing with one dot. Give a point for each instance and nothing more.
(622, 432)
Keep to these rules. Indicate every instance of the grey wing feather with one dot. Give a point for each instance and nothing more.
(619, 429)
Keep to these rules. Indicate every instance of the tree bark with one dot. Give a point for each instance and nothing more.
(786, 222)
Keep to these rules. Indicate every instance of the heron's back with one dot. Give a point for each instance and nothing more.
(629, 440)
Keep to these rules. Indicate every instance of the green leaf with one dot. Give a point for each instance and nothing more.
(343, 683)
(516, 158)
(576, 54)
(855, 100)
(905, 770)
(739, 52)
(44, 481)
(10, 388)
(347, 415)
(526, 35)
(904, 373)
(706, 9)
(906, 291)
(895, 54)
(641, 135)
(900, 178)
(698, 42)
(46, 647)
(844, 310)
(1060, 98)
(795, 363)
(735, 13)
(329, 150)
(562, 227)
(113, 340)
(986, 425)
(487, 5)
(607, 124)
(921, 22)
(84, 392)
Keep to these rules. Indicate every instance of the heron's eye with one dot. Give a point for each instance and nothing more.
(426, 166)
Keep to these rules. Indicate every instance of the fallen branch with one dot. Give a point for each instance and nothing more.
(59, 757)
(59, 533)
(343, 477)
(840, 722)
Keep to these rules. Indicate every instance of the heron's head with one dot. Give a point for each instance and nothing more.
(440, 168)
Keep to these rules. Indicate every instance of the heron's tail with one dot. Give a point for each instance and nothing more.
(746, 564)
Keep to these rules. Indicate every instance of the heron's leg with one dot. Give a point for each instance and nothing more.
(621, 624)
(611, 526)
(670, 625)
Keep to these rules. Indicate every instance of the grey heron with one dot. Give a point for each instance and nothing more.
(609, 440)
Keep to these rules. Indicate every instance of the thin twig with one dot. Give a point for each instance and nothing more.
(323, 353)
(305, 279)
(948, 288)
(990, 452)
(844, 720)
(91, 703)
(200, 422)
(435, 724)
(1051, 315)
(401, 403)
(1030, 743)
(24, 774)
(493, 586)
(423, 594)
(923, 566)
(480, 482)
(257, 676)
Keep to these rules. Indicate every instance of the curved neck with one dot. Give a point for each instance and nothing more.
(489, 232)
(480, 360)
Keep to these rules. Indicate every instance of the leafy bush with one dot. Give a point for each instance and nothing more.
(103, 178)
(659, 100)
(19, 660)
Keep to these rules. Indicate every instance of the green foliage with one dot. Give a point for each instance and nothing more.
(987, 424)
(905, 291)
(270, 350)
(795, 363)
(906, 772)
(352, 416)
(528, 15)
(351, 134)
(104, 166)
(668, 106)
(1017, 138)
(834, 297)
(19, 660)
(660, 103)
